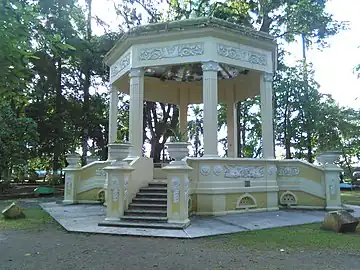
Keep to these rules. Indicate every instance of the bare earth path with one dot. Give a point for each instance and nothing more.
(46, 246)
(55, 249)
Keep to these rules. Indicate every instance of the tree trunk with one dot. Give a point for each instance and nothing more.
(59, 127)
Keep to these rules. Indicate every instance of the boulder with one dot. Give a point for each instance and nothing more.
(13, 211)
(340, 221)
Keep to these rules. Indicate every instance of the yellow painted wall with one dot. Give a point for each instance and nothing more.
(306, 199)
(231, 200)
(90, 195)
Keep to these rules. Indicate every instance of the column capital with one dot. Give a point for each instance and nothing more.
(268, 77)
(210, 66)
(113, 89)
(136, 72)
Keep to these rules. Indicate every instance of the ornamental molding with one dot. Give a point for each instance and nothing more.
(176, 189)
(115, 189)
(136, 72)
(100, 172)
(126, 186)
(205, 170)
(217, 169)
(122, 63)
(272, 170)
(68, 184)
(246, 201)
(173, 51)
(210, 66)
(288, 171)
(238, 53)
(233, 171)
(268, 77)
(288, 198)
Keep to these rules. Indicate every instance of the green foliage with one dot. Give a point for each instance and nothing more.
(177, 135)
(17, 137)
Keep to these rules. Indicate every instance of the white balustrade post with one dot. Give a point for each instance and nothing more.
(210, 100)
(136, 112)
(267, 129)
(118, 175)
(178, 192)
(71, 178)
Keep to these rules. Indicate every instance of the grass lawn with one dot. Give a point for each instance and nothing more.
(35, 219)
(295, 238)
(351, 197)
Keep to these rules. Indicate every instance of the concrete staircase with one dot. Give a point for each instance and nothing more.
(148, 209)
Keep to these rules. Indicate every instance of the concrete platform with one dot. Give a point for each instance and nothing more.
(85, 218)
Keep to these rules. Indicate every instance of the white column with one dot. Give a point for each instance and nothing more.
(267, 130)
(183, 110)
(113, 113)
(210, 100)
(231, 120)
(136, 111)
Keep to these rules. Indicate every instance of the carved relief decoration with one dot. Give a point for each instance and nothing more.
(288, 171)
(288, 198)
(115, 189)
(186, 188)
(100, 172)
(205, 170)
(176, 189)
(233, 171)
(238, 53)
(68, 184)
(246, 201)
(126, 186)
(217, 169)
(181, 50)
(272, 170)
(120, 65)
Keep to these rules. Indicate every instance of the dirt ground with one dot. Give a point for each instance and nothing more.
(47, 246)
(53, 248)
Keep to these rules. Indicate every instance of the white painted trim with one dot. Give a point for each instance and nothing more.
(302, 207)
(235, 190)
(92, 183)
(304, 185)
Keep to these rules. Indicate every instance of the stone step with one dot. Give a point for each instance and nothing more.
(156, 219)
(146, 212)
(150, 200)
(147, 206)
(128, 224)
(158, 183)
(154, 189)
(151, 195)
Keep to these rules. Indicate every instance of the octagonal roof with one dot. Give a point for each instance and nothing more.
(171, 54)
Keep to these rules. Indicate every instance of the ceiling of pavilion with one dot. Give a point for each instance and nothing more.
(191, 72)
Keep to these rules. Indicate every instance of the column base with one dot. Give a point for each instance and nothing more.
(69, 202)
(334, 208)
(185, 222)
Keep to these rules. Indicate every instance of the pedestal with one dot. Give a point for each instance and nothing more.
(117, 175)
(178, 192)
(332, 187)
(71, 175)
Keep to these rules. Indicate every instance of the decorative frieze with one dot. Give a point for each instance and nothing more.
(100, 172)
(180, 50)
(272, 170)
(288, 171)
(238, 53)
(205, 170)
(233, 171)
(120, 65)
(217, 169)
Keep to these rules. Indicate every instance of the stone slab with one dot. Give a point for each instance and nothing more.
(85, 218)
